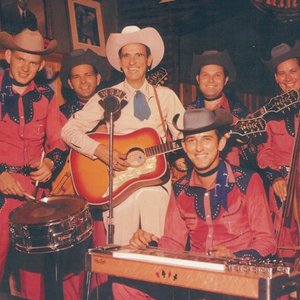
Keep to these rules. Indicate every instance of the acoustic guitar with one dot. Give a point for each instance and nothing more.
(148, 166)
(62, 184)
(145, 152)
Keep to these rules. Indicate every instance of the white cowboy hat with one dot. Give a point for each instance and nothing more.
(131, 35)
(27, 41)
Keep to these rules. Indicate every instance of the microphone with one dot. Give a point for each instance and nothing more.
(110, 104)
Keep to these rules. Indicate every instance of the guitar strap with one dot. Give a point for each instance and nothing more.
(168, 137)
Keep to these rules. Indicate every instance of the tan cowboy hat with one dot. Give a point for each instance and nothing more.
(202, 119)
(82, 57)
(27, 41)
(131, 35)
(281, 53)
(213, 57)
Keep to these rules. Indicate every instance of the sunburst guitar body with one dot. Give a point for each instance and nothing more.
(148, 167)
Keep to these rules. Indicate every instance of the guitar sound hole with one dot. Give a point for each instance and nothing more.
(136, 157)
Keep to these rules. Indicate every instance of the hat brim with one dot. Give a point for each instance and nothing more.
(7, 41)
(223, 120)
(147, 36)
(274, 62)
(89, 58)
(221, 59)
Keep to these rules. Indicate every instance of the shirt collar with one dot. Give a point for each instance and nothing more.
(231, 178)
(146, 89)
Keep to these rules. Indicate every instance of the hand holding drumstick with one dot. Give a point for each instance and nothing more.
(43, 172)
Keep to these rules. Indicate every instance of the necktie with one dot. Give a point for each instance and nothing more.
(141, 107)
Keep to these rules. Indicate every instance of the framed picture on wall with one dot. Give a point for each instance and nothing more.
(86, 25)
(32, 13)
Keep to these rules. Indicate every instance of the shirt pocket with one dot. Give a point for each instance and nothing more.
(235, 219)
(35, 129)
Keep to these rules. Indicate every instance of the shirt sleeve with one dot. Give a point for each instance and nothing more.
(266, 160)
(260, 218)
(83, 121)
(175, 232)
(55, 148)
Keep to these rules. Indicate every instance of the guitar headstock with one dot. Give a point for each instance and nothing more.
(158, 77)
(248, 128)
(283, 102)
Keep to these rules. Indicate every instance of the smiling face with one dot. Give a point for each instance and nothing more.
(23, 66)
(83, 80)
(211, 80)
(203, 149)
(287, 75)
(134, 62)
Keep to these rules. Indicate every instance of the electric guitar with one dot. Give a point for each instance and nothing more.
(256, 125)
(157, 77)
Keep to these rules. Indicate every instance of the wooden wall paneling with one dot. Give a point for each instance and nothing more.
(187, 93)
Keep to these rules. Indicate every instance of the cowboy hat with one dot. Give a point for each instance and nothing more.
(82, 57)
(213, 57)
(202, 119)
(130, 35)
(281, 53)
(27, 41)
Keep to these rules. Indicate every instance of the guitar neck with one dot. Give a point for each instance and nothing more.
(260, 112)
(278, 103)
(163, 148)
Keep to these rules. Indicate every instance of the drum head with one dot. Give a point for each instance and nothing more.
(48, 209)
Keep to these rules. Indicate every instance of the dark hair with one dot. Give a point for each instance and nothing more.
(94, 69)
(297, 58)
(219, 132)
(148, 51)
(226, 73)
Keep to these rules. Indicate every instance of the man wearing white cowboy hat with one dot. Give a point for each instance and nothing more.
(222, 208)
(133, 51)
(213, 71)
(30, 145)
(274, 156)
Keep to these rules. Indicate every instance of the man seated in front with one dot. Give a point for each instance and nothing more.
(222, 208)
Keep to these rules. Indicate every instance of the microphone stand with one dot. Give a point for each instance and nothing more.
(110, 219)
(111, 105)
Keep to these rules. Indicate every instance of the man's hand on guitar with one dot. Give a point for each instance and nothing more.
(220, 251)
(280, 188)
(119, 159)
(141, 239)
(180, 164)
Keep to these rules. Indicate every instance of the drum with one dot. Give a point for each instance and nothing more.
(52, 224)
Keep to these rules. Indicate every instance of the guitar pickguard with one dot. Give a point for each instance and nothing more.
(121, 177)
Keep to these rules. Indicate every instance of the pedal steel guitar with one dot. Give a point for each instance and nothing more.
(265, 280)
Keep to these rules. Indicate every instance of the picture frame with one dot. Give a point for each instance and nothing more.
(86, 25)
(36, 7)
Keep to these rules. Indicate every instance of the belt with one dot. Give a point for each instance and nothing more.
(25, 170)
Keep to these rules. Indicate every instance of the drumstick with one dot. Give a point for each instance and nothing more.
(34, 193)
(29, 196)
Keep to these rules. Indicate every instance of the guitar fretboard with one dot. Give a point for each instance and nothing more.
(163, 148)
